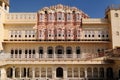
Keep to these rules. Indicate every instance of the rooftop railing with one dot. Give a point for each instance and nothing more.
(21, 17)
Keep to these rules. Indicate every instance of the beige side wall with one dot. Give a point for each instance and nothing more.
(115, 27)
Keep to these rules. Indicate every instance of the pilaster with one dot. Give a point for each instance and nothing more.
(3, 74)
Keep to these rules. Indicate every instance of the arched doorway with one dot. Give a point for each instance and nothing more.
(9, 72)
(109, 73)
(59, 72)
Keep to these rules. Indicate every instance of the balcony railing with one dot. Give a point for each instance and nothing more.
(8, 56)
(95, 21)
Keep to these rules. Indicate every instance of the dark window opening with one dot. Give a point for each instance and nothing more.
(11, 35)
(19, 35)
(15, 35)
(25, 35)
(29, 51)
(59, 72)
(24, 73)
(92, 35)
(40, 51)
(33, 51)
(16, 51)
(106, 35)
(46, 12)
(50, 51)
(98, 35)
(85, 35)
(59, 51)
(78, 51)
(20, 51)
(103, 36)
(26, 52)
(59, 35)
(69, 51)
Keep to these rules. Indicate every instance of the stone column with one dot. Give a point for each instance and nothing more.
(54, 73)
(65, 73)
(86, 73)
(40, 72)
(20, 73)
(33, 72)
(13, 75)
(54, 52)
(79, 72)
(64, 51)
(3, 74)
(45, 52)
(74, 52)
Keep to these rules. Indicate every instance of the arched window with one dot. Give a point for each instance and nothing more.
(9, 72)
(59, 50)
(59, 32)
(116, 15)
(77, 16)
(17, 72)
(33, 51)
(95, 72)
(37, 72)
(109, 73)
(59, 16)
(16, 51)
(50, 52)
(68, 16)
(41, 17)
(82, 72)
(69, 52)
(29, 74)
(40, 52)
(12, 52)
(43, 72)
(78, 52)
(59, 72)
(20, 51)
(26, 52)
(76, 72)
(23, 70)
(49, 72)
(29, 51)
(69, 72)
(101, 72)
(89, 72)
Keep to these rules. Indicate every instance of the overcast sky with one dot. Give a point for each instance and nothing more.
(94, 8)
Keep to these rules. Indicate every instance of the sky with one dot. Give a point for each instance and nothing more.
(94, 8)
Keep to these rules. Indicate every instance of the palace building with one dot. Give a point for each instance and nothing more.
(59, 42)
